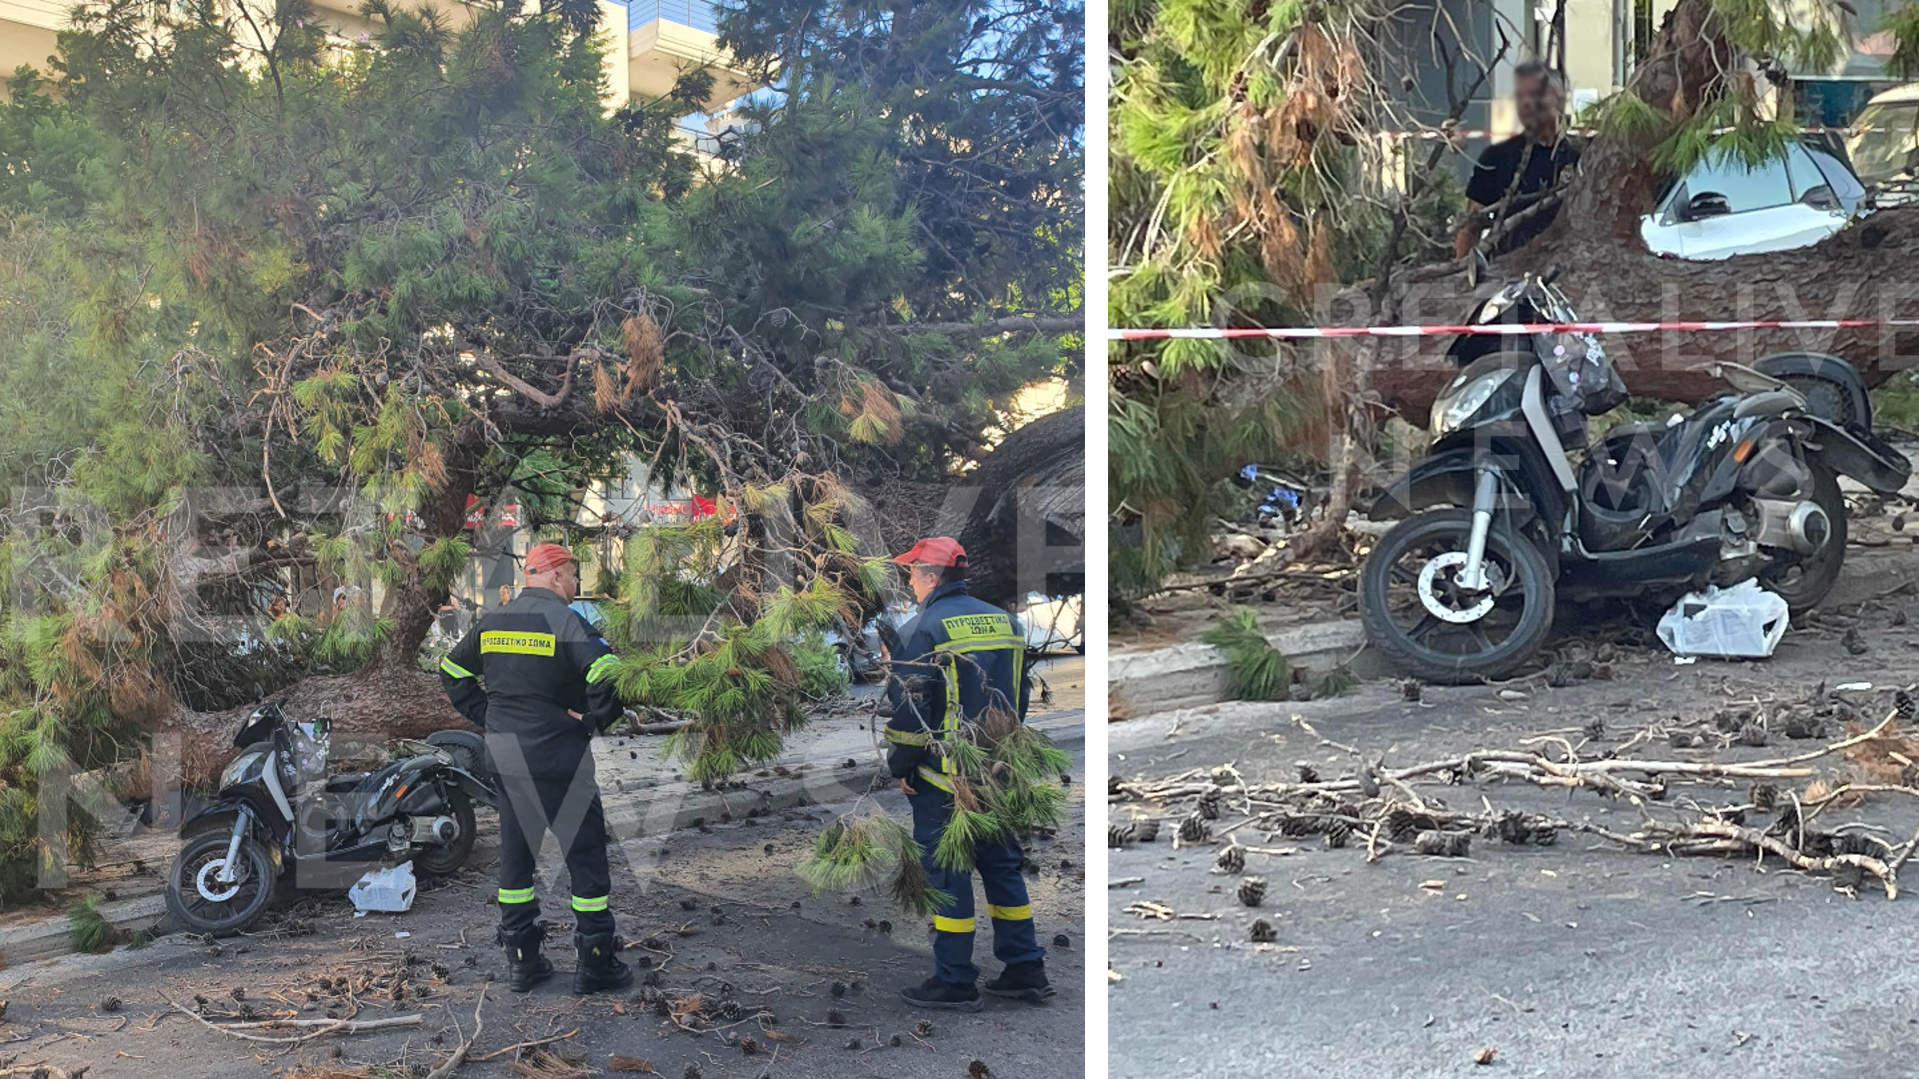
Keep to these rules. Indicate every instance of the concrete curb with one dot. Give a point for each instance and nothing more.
(1194, 675)
(811, 783)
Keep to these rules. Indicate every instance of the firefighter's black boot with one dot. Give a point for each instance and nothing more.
(600, 967)
(933, 993)
(526, 967)
(1021, 981)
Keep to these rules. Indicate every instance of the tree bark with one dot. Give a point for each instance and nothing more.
(1605, 270)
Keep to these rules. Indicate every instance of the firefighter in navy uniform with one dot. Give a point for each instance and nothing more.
(537, 679)
(959, 658)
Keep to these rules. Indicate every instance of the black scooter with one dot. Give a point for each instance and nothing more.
(1499, 522)
(278, 814)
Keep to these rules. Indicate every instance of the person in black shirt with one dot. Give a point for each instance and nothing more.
(1515, 173)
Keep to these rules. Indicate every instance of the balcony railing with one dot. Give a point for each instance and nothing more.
(693, 13)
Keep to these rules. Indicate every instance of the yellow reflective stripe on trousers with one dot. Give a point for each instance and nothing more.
(516, 895)
(521, 644)
(456, 670)
(943, 924)
(601, 668)
(1022, 913)
(590, 905)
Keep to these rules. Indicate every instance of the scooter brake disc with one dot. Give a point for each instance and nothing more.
(205, 885)
(1437, 607)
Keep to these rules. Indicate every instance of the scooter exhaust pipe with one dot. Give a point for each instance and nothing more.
(1802, 527)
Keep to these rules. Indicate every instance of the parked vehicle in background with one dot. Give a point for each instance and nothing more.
(1884, 144)
(1721, 208)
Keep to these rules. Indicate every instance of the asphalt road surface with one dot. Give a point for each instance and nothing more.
(719, 910)
(1575, 960)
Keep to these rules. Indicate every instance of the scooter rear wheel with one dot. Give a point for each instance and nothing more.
(1414, 567)
(1804, 583)
(446, 858)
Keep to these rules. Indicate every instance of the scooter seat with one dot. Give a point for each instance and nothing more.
(346, 784)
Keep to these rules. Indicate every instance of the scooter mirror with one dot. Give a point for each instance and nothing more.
(259, 693)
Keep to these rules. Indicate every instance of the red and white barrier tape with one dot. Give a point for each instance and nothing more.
(1589, 132)
(1496, 329)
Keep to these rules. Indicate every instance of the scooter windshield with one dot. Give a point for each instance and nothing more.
(1582, 374)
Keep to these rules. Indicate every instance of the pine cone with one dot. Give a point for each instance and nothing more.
(1402, 823)
(1194, 829)
(1112, 785)
(1443, 844)
(1233, 859)
(1299, 824)
(1252, 891)
(1263, 932)
(1753, 734)
(1337, 833)
(1802, 727)
(1903, 703)
(1209, 804)
(1307, 773)
(1764, 797)
(1596, 731)
(1119, 835)
(730, 1010)
(1545, 834)
(1146, 831)
(1409, 690)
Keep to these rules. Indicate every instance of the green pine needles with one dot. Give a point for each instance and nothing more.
(1255, 670)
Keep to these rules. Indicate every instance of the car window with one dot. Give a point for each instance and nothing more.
(1744, 189)
(1885, 138)
(1836, 174)
(1805, 175)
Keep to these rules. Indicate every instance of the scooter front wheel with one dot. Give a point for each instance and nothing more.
(203, 902)
(1427, 625)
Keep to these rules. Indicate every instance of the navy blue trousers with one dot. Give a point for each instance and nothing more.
(998, 865)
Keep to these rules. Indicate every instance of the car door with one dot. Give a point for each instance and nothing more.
(1762, 212)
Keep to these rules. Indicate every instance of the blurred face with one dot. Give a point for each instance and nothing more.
(1539, 105)
(923, 578)
(563, 579)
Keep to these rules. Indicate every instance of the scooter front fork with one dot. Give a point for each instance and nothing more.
(241, 822)
(1472, 577)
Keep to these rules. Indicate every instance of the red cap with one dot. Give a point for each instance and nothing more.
(547, 556)
(936, 551)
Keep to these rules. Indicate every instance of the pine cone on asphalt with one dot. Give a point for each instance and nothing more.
(1307, 773)
(1764, 797)
(1754, 734)
(1853, 642)
(1545, 834)
(1119, 835)
(1233, 859)
(1209, 804)
(1683, 739)
(1443, 844)
(1337, 833)
(1263, 932)
(1904, 705)
(1194, 829)
(1299, 824)
(1146, 831)
(1596, 731)
(1252, 891)
(1409, 690)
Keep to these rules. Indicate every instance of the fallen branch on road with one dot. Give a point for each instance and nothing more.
(319, 1028)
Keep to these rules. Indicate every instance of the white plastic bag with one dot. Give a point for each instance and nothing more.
(1744, 622)
(388, 890)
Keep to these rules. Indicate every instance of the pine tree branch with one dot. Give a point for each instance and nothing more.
(1010, 324)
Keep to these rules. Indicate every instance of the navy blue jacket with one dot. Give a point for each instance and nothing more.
(521, 670)
(962, 656)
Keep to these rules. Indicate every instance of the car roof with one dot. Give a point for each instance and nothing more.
(1908, 92)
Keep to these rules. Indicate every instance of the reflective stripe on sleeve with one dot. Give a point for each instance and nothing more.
(601, 668)
(456, 670)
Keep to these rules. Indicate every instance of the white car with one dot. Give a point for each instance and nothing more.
(1721, 208)
(1884, 145)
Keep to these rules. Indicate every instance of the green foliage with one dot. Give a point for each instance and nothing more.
(1255, 670)
(821, 674)
(88, 931)
(862, 852)
(1337, 682)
